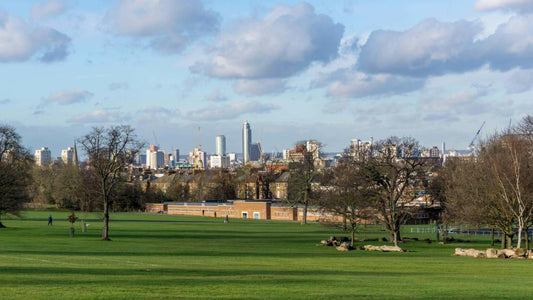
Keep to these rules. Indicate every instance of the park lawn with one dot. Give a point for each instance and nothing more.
(169, 257)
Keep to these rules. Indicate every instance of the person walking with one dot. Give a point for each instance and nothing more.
(50, 220)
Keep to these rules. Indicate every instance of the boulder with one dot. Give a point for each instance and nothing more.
(494, 253)
(384, 248)
(344, 247)
(470, 252)
(514, 253)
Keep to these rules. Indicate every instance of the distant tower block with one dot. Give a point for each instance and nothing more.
(221, 145)
(246, 141)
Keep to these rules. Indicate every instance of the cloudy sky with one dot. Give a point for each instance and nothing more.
(325, 70)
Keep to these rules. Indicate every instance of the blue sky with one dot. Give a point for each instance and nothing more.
(325, 70)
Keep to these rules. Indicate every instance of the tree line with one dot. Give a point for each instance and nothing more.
(382, 181)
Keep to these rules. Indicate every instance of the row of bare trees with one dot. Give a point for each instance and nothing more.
(379, 181)
(496, 187)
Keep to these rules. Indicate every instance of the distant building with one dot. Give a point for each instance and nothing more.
(255, 152)
(232, 158)
(431, 152)
(43, 157)
(200, 159)
(166, 159)
(360, 149)
(157, 159)
(220, 145)
(176, 156)
(67, 155)
(246, 142)
(218, 161)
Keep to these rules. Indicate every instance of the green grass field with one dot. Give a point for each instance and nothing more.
(173, 257)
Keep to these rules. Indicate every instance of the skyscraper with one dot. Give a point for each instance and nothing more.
(221, 145)
(255, 152)
(67, 155)
(246, 141)
(43, 157)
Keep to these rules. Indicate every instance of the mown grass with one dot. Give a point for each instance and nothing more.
(203, 258)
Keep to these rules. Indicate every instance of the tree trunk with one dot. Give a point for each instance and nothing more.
(344, 225)
(509, 241)
(520, 228)
(353, 235)
(526, 237)
(395, 237)
(105, 233)
(304, 214)
(492, 237)
(504, 241)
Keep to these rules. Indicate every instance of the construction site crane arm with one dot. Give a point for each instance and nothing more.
(471, 145)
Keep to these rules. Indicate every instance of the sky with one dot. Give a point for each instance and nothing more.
(331, 71)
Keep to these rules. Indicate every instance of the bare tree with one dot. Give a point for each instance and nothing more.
(303, 172)
(494, 188)
(346, 194)
(15, 164)
(109, 151)
(510, 165)
(393, 169)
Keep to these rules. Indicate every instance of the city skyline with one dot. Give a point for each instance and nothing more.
(328, 71)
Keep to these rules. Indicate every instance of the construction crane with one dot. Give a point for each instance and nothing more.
(155, 139)
(471, 146)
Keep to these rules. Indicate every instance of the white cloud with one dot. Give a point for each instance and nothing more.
(67, 97)
(429, 48)
(43, 10)
(519, 81)
(19, 42)
(359, 85)
(97, 116)
(436, 48)
(170, 25)
(285, 42)
(511, 45)
(216, 96)
(230, 111)
(260, 87)
(156, 114)
(520, 6)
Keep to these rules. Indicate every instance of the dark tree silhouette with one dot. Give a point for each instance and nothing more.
(109, 151)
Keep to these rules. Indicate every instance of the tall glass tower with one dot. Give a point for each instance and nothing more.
(246, 141)
(221, 145)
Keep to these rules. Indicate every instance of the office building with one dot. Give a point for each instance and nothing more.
(220, 145)
(246, 142)
(255, 152)
(43, 157)
(67, 155)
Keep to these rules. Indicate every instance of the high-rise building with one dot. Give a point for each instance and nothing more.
(157, 159)
(67, 155)
(176, 155)
(255, 152)
(200, 157)
(246, 141)
(148, 156)
(218, 161)
(220, 145)
(232, 157)
(43, 157)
